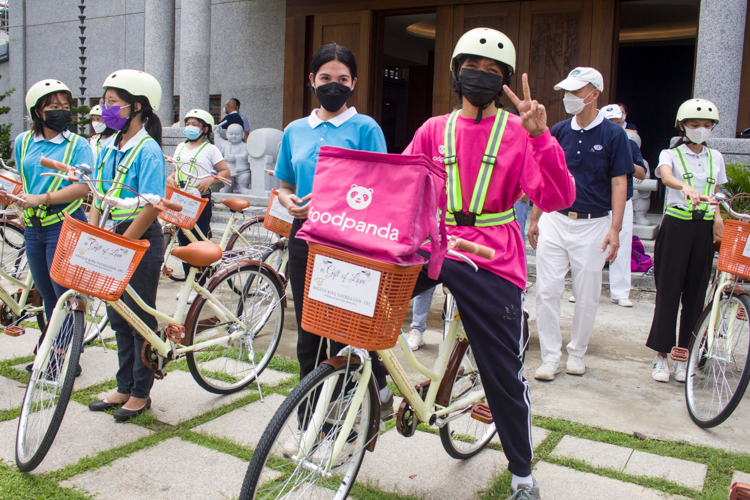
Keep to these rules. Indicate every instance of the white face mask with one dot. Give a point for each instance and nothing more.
(574, 105)
(99, 127)
(698, 135)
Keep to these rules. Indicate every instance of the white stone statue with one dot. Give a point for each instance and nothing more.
(235, 154)
(642, 197)
(263, 148)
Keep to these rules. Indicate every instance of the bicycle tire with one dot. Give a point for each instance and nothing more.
(279, 439)
(225, 369)
(252, 233)
(39, 437)
(178, 271)
(710, 377)
(465, 429)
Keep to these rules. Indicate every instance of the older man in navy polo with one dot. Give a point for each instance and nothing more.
(583, 237)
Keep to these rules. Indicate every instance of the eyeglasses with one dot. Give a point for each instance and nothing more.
(109, 103)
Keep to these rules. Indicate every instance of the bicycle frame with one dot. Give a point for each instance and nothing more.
(21, 305)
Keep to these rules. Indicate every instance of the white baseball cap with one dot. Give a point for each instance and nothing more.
(612, 111)
(579, 77)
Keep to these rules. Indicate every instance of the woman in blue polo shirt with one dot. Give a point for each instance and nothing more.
(684, 251)
(47, 199)
(135, 159)
(333, 77)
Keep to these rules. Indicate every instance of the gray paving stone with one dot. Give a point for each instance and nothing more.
(97, 366)
(420, 466)
(171, 469)
(178, 397)
(593, 453)
(244, 425)
(562, 483)
(684, 472)
(14, 347)
(742, 477)
(538, 435)
(82, 433)
(11, 393)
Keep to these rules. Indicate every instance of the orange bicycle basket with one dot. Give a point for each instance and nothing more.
(278, 226)
(10, 185)
(182, 219)
(733, 244)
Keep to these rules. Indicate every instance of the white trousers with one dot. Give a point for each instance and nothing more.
(565, 244)
(619, 272)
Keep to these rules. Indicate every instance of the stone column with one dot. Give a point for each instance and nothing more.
(158, 53)
(195, 52)
(17, 68)
(721, 34)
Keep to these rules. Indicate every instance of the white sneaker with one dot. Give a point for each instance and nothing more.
(623, 302)
(415, 340)
(575, 365)
(192, 296)
(291, 445)
(321, 455)
(660, 373)
(680, 371)
(548, 370)
(572, 299)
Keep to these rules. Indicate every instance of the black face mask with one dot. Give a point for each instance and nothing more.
(57, 119)
(333, 95)
(479, 88)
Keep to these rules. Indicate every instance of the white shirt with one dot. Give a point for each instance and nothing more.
(598, 120)
(697, 164)
(210, 156)
(58, 139)
(336, 121)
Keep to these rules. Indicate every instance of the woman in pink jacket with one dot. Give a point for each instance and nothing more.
(491, 157)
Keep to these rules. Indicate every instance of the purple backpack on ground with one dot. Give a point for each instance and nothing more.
(640, 261)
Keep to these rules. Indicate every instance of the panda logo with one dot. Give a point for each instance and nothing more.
(441, 149)
(359, 197)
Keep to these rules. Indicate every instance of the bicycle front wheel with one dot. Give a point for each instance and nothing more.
(48, 392)
(719, 368)
(254, 296)
(298, 443)
(466, 436)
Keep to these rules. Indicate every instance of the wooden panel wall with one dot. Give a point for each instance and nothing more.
(743, 114)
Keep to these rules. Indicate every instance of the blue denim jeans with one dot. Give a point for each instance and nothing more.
(522, 212)
(420, 309)
(41, 243)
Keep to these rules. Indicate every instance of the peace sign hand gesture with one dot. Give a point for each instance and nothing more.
(533, 114)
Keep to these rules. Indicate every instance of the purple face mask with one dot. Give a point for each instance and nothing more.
(111, 117)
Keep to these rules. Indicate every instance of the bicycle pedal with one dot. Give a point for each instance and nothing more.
(14, 331)
(168, 271)
(740, 491)
(175, 333)
(679, 354)
(482, 413)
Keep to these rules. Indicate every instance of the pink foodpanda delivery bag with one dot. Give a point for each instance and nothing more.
(380, 206)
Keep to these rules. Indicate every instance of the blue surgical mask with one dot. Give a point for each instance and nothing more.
(191, 132)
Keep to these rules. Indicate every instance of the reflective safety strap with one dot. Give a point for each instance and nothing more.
(685, 214)
(488, 163)
(486, 220)
(688, 176)
(179, 175)
(455, 202)
(119, 179)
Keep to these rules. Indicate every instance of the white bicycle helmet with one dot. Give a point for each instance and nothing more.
(697, 109)
(201, 115)
(96, 111)
(136, 83)
(489, 43)
(41, 89)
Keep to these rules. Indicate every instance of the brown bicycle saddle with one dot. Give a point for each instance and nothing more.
(235, 204)
(198, 254)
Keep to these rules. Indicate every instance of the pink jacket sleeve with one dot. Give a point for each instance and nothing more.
(545, 178)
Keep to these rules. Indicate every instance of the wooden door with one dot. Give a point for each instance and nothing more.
(555, 38)
(353, 31)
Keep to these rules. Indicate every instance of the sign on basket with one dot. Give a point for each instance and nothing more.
(347, 286)
(190, 207)
(278, 211)
(101, 256)
(7, 185)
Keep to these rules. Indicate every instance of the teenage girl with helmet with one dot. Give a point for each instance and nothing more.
(684, 249)
(202, 157)
(48, 199)
(491, 156)
(102, 133)
(133, 158)
(333, 78)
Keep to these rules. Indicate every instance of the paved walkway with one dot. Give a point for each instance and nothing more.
(193, 444)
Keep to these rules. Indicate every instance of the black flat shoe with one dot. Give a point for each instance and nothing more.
(123, 414)
(103, 405)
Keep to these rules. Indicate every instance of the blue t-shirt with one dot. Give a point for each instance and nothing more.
(31, 169)
(594, 157)
(301, 143)
(146, 174)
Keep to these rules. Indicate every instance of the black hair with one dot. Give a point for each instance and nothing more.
(624, 108)
(207, 136)
(148, 117)
(37, 122)
(462, 58)
(334, 52)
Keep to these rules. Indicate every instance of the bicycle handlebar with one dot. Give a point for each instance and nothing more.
(6, 167)
(181, 164)
(474, 248)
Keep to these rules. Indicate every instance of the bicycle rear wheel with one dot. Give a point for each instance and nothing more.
(252, 233)
(48, 392)
(172, 267)
(254, 295)
(466, 436)
(300, 475)
(718, 374)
